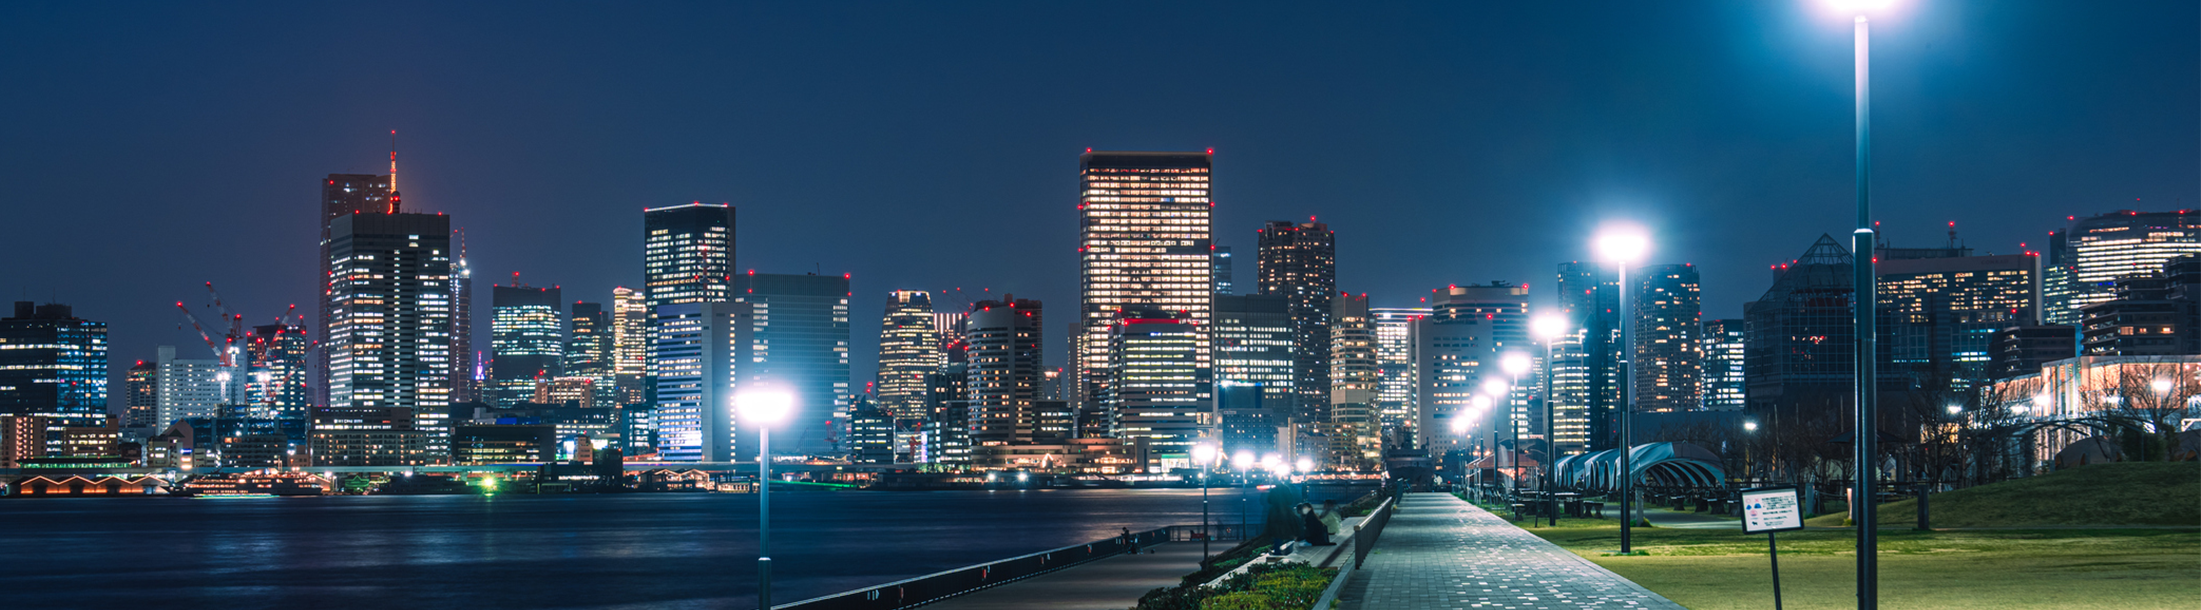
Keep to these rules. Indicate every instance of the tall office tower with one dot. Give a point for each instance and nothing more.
(53, 365)
(802, 340)
(687, 257)
(1224, 271)
(1254, 396)
(279, 353)
(1299, 261)
(342, 195)
(705, 354)
(1801, 341)
(466, 370)
(1457, 347)
(527, 341)
(1723, 351)
(909, 349)
(1940, 308)
(388, 343)
(630, 335)
(1395, 356)
(197, 387)
(948, 401)
(870, 432)
(1356, 376)
(2086, 259)
(588, 352)
(1669, 349)
(1147, 241)
(2151, 315)
(1586, 361)
(1155, 386)
(1004, 374)
(141, 395)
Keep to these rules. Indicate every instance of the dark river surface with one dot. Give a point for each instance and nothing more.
(511, 551)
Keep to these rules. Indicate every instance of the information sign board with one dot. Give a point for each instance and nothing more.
(1771, 509)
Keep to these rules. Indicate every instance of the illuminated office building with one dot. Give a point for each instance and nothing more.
(466, 369)
(687, 257)
(1146, 241)
(1457, 347)
(1585, 375)
(198, 387)
(1299, 262)
(703, 352)
(277, 384)
(1940, 308)
(1356, 375)
(1155, 386)
(909, 349)
(949, 324)
(2086, 259)
(371, 436)
(141, 395)
(1224, 270)
(1394, 408)
(53, 368)
(527, 341)
(1669, 349)
(1801, 342)
(588, 352)
(1254, 395)
(388, 342)
(1004, 371)
(1723, 350)
(802, 346)
(630, 349)
(342, 195)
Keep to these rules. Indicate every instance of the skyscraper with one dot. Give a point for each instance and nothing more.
(1224, 271)
(1723, 353)
(687, 257)
(1801, 343)
(630, 323)
(53, 365)
(588, 353)
(1586, 361)
(1669, 349)
(1147, 241)
(2085, 260)
(388, 343)
(341, 195)
(141, 395)
(1457, 347)
(704, 352)
(198, 387)
(1395, 405)
(1155, 387)
(1299, 262)
(1254, 397)
(278, 371)
(527, 341)
(802, 347)
(466, 370)
(909, 349)
(1356, 377)
(1004, 373)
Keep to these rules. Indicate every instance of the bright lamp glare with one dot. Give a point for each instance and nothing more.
(1460, 423)
(1243, 458)
(1859, 6)
(1305, 464)
(1514, 363)
(764, 407)
(2161, 386)
(1495, 387)
(1622, 245)
(1548, 327)
(1203, 454)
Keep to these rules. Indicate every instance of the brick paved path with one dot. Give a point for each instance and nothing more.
(1441, 552)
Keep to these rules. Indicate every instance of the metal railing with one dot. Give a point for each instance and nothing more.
(942, 585)
(1223, 532)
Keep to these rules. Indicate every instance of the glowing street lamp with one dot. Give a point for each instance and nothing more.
(2161, 386)
(1243, 459)
(1204, 455)
(1624, 246)
(762, 409)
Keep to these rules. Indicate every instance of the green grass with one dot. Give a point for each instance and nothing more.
(2085, 569)
(2122, 493)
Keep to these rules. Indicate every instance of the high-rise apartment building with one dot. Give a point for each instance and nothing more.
(802, 342)
(342, 195)
(1723, 353)
(589, 351)
(1585, 374)
(141, 395)
(1254, 396)
(1003, 375)
(630, 335)
(527, 341)
(53, 367)
(1146, 241)
(1669, 349)
(1395, 392)
(1299, 262)
(2085, 259)
(1156, 388)
(1224, 271)
(1469, 329)
(277, 384)
(909, 349)
(388, 342)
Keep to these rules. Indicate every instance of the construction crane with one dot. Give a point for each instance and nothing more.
(233, 328)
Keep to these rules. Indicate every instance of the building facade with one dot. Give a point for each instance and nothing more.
(527, 341)
(1585, 364)
(1395, 404)
(1156, 388)
(1146, 241)
(342, 195)
(1003, 375)
(1723, 372)
(909, 349)
(1457, 348)
(1669, 347)
(630, 347)
(801, 335)
(1254, 382)
(388, 342)
(2086, 258)
(1298, 261)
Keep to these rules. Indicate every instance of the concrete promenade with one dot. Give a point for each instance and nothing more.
(1113, 583)
(1441, 552)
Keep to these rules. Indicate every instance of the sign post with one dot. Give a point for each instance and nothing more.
(1771, 510)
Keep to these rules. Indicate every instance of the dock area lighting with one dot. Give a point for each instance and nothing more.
(1204, 455)
(1624, 246)
(1548, 327)
(763, 408)
(1514, 363)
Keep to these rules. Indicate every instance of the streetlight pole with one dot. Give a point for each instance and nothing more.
(1624, 247)
(1204, 454)
(1868, 431)
(764, 409)
(1549, 329)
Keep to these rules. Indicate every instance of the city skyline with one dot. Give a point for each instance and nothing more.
(582, 235)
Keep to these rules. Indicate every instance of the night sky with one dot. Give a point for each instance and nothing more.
(148, 148)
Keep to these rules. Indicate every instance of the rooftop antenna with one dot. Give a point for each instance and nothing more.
(1952, 235)
(393, 171)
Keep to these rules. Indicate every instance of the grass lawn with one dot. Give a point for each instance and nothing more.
(2122, 493)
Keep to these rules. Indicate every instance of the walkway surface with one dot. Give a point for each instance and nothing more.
(1441, 552)
(1114, 583)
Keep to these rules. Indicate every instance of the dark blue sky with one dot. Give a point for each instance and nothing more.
(148, 148)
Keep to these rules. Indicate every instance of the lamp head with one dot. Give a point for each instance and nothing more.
(764, 406)
(1750, 426)
(1305, 464)
(1548, 327)
(1244, 458)
(1623, 244)
(1858, 7)
(1496, 388)
(2161, 386)
(1203, 454)
(1460, 421)
(1955, 409)
(1514, 363)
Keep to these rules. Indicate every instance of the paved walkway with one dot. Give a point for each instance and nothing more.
(1441, 552)
(1114, 583)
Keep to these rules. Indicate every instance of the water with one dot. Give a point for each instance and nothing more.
(583, 551)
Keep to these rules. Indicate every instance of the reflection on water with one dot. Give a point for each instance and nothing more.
(624, 551)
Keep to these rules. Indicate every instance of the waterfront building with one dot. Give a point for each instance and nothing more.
(630, 344)
(1253, 344)
(487, 444)
(1723, 373)
(1585, 373)
(1155, 387)
(54, 365)
(1299, 262)
(589, 351)
(801, 333)
(343, 195)
(1003, 339)
(277, 384)
(141, 395)
(1395, 406)
(1457, 347)
(687, 257)
(203, 443)
(909, 349)
(1224, 270)
(192, 387)
(1669, 347)
(369, 436)
(2086, 258)
(1356, 375)
(702, 353)
(870, 433)
(948, 404)
(1940, 309)
(1147, 241)
(527, 341)
(388, 340)
(22, 437)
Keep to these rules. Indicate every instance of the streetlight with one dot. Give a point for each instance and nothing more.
(1514, 364)
(2161, 387)
(1244, 461)
(1203, 454)
(1623, 246)
(1548, 329)
(764, 408)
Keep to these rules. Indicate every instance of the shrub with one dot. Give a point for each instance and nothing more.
(1276, 586)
